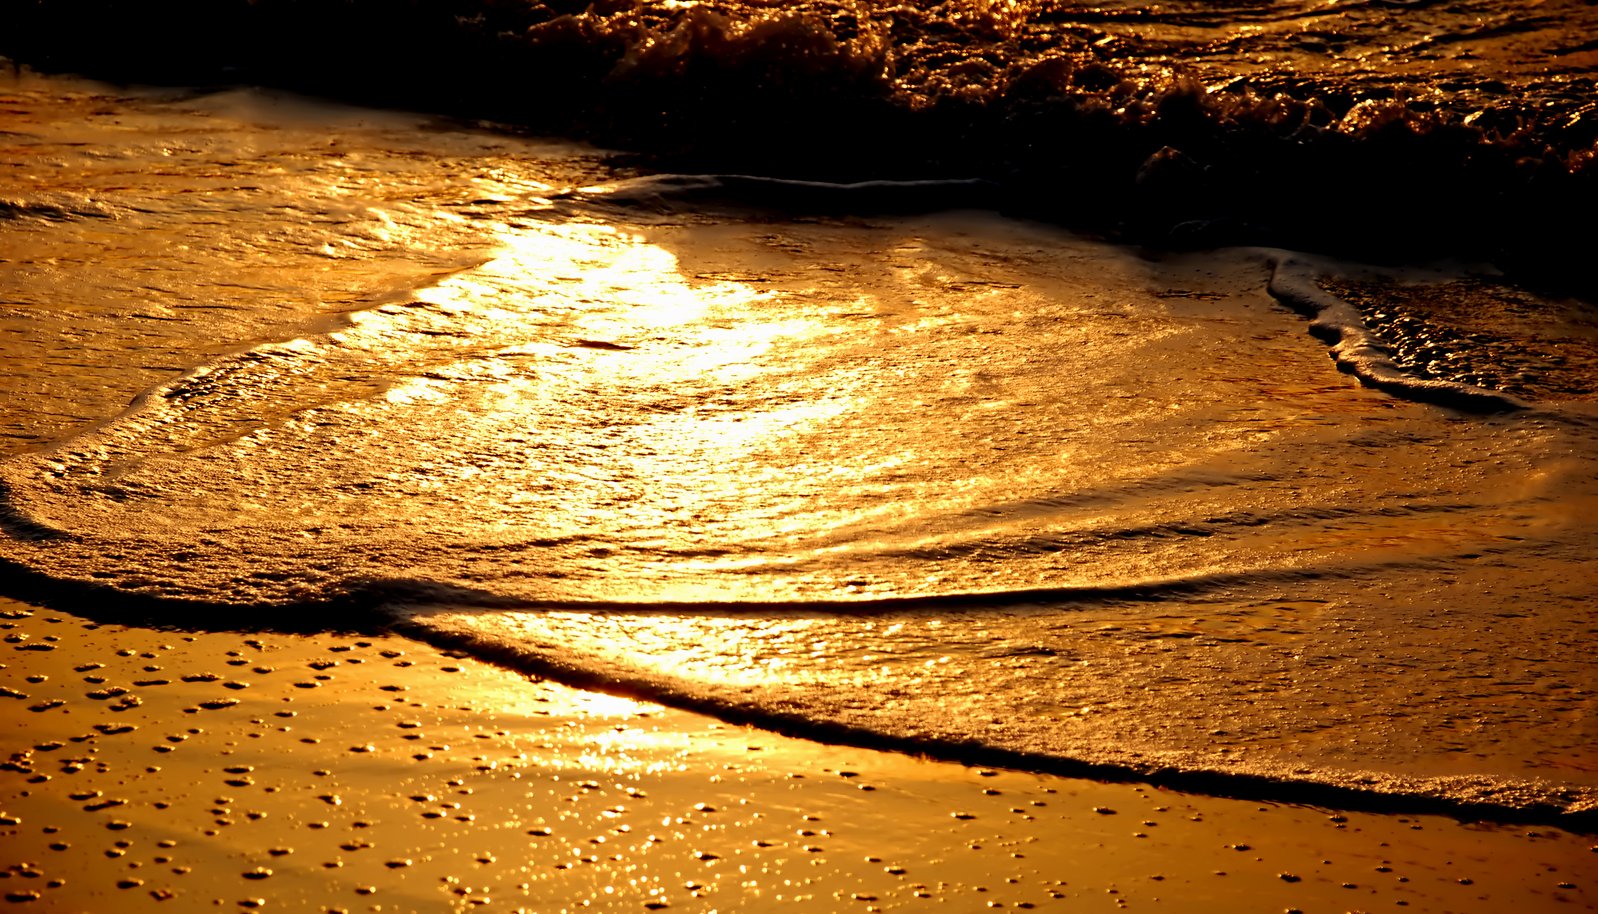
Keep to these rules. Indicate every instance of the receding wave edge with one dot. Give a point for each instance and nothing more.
(1470, 797)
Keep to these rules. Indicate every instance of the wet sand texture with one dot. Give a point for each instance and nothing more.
(174, 771)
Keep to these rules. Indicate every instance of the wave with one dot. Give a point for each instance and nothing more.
(356, 597)
(1340, 326)
(558, 639)
(19, 210)
(835, 715)
(959, 485)
(855, 198)
(1369, 129)
(1295, 277)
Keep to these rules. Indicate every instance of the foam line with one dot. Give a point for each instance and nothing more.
(1356, 350)
(1468, 797)
(791, 195)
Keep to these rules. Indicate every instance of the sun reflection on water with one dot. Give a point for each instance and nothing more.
(692, 412)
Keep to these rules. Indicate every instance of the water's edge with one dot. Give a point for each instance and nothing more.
(1468, 798)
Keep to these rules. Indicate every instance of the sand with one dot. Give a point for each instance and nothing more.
(186, 770)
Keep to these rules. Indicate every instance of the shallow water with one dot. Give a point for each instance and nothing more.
(951, 482)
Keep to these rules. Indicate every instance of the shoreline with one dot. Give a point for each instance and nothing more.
(1469, 799)
(186, 764)
(360, 772)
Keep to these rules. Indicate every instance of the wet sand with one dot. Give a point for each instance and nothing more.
(177, 770)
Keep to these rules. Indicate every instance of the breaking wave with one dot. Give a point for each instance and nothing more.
(1382, 130)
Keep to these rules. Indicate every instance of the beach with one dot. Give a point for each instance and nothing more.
(151, 769)
(418, 508)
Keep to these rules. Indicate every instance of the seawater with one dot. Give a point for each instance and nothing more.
(952, 482)
(1383, 128)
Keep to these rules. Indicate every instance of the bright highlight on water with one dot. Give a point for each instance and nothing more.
(948, 482)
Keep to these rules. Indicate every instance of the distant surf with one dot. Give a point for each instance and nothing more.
(1389, 131)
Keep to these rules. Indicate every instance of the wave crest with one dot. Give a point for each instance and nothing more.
(1296, 123)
